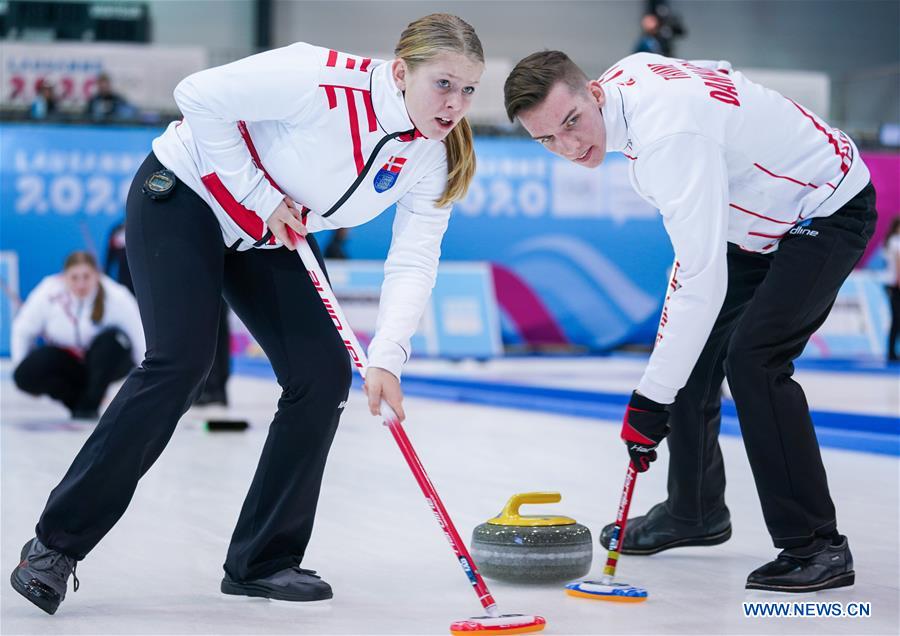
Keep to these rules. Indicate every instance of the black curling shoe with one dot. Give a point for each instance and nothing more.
(291, 584)
(825, 564)
(658, 530)
(43, 575)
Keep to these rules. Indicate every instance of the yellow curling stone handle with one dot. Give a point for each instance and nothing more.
(510, 515)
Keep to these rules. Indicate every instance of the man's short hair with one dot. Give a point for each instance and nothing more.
(531, 80)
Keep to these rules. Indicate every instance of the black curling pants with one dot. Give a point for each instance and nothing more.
(180, 270)
(773, 305)
(217, 380)
(79, 383)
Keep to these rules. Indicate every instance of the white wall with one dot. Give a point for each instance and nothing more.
(224, 27)
(842, 38)
(594, 34)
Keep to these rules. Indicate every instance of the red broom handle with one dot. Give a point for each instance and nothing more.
(618, 535)
(359, 360)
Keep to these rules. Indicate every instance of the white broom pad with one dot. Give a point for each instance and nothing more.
(506, 620)
(617, 589)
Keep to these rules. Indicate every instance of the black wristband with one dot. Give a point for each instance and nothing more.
(644, 403)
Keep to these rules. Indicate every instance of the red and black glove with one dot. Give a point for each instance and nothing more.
(644, 426)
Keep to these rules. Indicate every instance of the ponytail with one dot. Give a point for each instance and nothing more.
(460, 163)
(99, 305)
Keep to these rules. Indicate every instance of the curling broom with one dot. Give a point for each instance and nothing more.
(606, 589)
(494, 622)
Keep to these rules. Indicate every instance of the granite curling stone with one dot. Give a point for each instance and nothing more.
(532, 548)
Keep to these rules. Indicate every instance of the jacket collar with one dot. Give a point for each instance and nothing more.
(617, 134)
(389, 104)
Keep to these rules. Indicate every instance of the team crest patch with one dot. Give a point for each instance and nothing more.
(387, 176)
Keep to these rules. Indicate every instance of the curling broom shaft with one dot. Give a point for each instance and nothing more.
(358, 358)
(618, 535)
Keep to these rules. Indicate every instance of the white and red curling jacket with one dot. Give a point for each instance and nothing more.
(61, 319)
(304, 121)
(725, 160)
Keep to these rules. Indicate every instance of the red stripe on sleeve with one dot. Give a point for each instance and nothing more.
(365, 64)
(245, 133)
(354, 130)
(767, 218)
(332, 58)
(351, 63)
(332, 97)
(245, 219)
(837, 149)
(791, 179)
(370, 111)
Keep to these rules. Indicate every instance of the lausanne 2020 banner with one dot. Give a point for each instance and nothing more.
(577, 258)
(63, 188)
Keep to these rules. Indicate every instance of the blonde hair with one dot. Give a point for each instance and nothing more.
(86, 258)
(420, 42)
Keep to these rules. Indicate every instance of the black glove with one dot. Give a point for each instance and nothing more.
(644, 426)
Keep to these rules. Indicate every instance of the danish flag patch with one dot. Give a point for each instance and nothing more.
(387, 176)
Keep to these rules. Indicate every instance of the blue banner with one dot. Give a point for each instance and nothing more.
(460, 319)
(578, 259)
(63, 188)
(581, 259)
